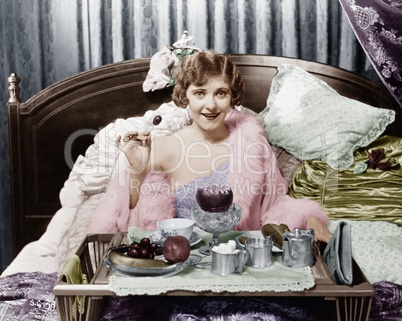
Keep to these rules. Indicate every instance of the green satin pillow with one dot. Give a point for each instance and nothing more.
(310, 120)
(374, 195)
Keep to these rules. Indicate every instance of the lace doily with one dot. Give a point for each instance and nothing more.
(277, 277)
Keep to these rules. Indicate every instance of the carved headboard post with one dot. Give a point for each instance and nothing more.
(13, 88)
(13, 109)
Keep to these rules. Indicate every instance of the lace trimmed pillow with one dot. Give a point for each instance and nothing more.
(310, 120)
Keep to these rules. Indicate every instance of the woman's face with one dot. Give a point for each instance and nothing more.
(210, 103)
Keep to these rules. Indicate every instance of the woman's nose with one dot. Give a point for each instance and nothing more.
(210, 102)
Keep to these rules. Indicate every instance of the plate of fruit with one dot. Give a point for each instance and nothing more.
(146, 258)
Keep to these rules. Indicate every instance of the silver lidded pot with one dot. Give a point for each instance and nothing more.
(298, 248)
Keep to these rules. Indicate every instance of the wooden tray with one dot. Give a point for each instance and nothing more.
(352, 302)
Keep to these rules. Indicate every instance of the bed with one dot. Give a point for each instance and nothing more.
(62, 156)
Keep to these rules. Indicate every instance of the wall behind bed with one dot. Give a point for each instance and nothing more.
(48, 40)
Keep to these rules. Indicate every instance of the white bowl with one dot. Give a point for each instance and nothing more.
(175, 226)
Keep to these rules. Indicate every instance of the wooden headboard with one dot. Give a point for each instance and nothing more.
(48, 132)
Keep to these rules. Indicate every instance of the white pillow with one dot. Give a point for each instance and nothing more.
(310, 120)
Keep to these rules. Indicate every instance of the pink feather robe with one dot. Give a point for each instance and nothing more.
(258, 188)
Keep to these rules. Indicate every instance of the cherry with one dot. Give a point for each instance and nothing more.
(145, 242)
(157, 120)
(133, 252)
(143, 249)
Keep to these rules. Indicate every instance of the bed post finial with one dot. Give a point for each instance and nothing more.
(13, 88)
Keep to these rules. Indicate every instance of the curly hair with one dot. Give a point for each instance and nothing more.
(198, 68)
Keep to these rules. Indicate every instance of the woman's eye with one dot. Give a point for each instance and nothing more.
(221, 94)
(199, 94)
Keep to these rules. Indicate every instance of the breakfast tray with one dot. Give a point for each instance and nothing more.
(353, 302)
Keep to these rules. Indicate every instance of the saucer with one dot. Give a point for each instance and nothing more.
(195, 238)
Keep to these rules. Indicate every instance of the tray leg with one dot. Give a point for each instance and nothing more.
(95, 305)
(353, 308)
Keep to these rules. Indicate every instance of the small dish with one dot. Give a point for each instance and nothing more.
(256, 235)
(195, 238)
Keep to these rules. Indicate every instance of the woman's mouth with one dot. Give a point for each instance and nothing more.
(210, 116)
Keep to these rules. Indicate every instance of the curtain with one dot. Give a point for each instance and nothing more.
(44, 41)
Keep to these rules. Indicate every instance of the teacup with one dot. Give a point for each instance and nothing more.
(175, 226)
(260, 250)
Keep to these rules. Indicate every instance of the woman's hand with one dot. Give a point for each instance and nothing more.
(321, 231)
(137, 150)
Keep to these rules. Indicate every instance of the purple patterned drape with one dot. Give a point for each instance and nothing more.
(378, 26)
